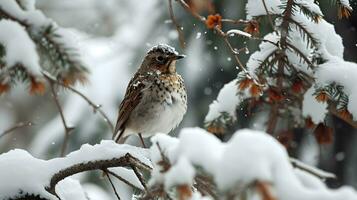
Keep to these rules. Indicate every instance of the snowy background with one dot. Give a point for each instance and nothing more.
(113, 36)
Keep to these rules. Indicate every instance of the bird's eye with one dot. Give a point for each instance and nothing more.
(160, 58)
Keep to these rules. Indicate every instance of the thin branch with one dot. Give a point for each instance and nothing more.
(111, 183)
(205, 186)
(16, 126)
(139, 176)
(274, 114)
(178, 27)
(297, 51)
(67, 129)
(121, 179)
(236, 21)
(268, 14)
(125, 161)
(311, 170)
(96, 107)
(217, 29)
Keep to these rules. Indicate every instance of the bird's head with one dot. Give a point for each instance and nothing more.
(161, 58)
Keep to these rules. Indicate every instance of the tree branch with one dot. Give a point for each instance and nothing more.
(178, 27)
(96, 107)
(121, 179)
(126, 161)
(268, 14)
(67, 129)
(16, 126)
(111, 183)
(311, 170)
(217, 29)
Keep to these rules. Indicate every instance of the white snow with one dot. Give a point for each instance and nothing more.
(182, 173)
(29, 16)
(247, 157)
(312, 108)
(227, 101)
(256, 7)
(22, 169)
(70, 189)
(266, 48)
(343, 73)
(233, 32)
(346, 3)
(19, 48)
(309, 4)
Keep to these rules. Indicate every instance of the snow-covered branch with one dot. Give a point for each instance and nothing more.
(31, 43)
(28, 176)
(242, 166)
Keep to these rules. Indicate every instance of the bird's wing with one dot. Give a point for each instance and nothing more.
(131, 100)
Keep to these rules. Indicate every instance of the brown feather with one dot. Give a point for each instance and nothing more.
(131, 100)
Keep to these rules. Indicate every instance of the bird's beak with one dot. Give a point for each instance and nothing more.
(179, 57)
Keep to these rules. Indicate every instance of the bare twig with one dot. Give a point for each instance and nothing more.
(236, 21)
(263, 189)
(311, 170)
(268, 14)
(125, 161)
(121, 179)
(140, 177)
(205, 186)
(96, 107)
(111, 183)
(178, 27)
(16, 126)
(217, 29)
(67, 129)
(274, 114)
(142, 140)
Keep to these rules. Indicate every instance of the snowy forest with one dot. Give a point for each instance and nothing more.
(262, 104)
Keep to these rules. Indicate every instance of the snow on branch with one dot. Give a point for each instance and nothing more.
(249, 161)
(31, 43)
(28, 176)
(222, 112)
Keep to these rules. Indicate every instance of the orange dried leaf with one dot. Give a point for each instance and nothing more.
(217, 130)
(345, 114)
(4, 87)
(309, 123)
(344, 12)
(264, 190)
(245, 83)
(213, 21)
(184, 192)
(297, 86)
(37, 87)
(322, 97)
(252, 27)
(323, 134)
(275, 95)
(285, 138)
(255, 90)
(72, 79)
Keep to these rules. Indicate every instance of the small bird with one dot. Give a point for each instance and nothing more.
(155, 99)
